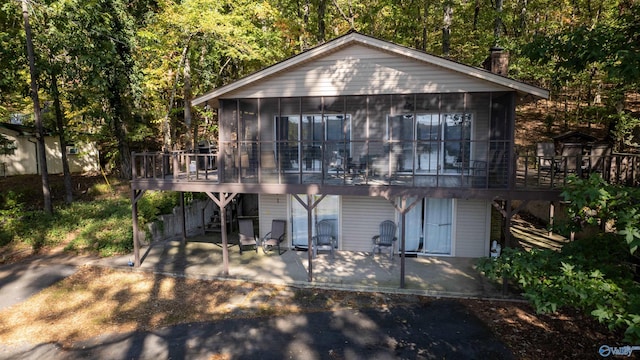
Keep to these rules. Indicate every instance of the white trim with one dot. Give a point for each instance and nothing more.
(339, 234)
(453, 233)
(358, 38)
(72, 150)
(487, 236)
(454, 226)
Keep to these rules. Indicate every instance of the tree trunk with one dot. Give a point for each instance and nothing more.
(446, 28)
(42, 156)
(187, 104)
(497, 27)
(322, 7)
(118, 123)
(166, 124)
(306, 9)
(425, 24)
(523, 19)
(476, 15)
(119, 89)
(68, 185)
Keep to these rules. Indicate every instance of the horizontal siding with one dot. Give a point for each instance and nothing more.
(360, 70)
(472, 228)
(272, 207)
(361, 217)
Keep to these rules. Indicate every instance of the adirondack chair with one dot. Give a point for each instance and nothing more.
(324, 240)
(386, 238)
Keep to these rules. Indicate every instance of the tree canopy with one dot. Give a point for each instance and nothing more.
(122, 71)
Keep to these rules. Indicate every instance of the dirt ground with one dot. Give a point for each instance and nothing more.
(562, 335)
(87, 305)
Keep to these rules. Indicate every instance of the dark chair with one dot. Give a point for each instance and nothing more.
(324, 239)
(246, 236)
(478, 173)
(274, 237)
(545, 153)
(386, 238)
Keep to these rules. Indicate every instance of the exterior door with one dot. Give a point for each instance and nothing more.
(327, 209)
(437, 226)
(429, 227)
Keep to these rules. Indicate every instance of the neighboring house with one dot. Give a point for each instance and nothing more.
(357, 131)
(82, 157)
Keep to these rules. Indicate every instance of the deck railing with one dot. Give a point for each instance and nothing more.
(553, 172)
(175, 165)
(527, 172)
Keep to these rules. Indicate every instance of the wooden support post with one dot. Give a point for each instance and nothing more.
(507, 240)
(222, 202)
(402, 247)
(309, 240)
(184, 218)
(134, 172)
(552, 211)
(135, 196)
(309, 205)
(223, 235)
(403, 209)
(176, 165)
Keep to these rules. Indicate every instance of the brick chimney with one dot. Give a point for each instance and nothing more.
(498, 61)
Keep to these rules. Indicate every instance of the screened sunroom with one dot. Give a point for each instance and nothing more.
(424, 140)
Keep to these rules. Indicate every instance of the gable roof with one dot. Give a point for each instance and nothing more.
(22, 130)
(355, 38)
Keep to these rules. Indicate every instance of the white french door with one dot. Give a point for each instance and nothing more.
(429, 227)
(437, 226)
(327, 209)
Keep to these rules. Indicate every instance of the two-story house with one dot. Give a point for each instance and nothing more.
(357, 131)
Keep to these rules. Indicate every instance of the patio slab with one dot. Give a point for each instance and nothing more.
(201, 257)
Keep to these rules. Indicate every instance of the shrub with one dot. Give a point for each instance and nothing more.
(11, 210)
(155, 203)
(101, 226)
(591, 275)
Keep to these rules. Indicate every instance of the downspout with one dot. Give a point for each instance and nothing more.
(35, 143)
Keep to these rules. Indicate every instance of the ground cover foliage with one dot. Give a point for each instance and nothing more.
(99, 223)
(596, 274)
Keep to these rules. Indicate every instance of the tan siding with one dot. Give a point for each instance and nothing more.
(24, 160)
(272, 207)
(472, 228)
(359, 70)
(360, 219)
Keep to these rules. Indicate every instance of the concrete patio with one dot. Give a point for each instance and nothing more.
(201, 257)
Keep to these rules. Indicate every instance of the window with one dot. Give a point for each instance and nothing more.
(400, 136)
(337, 145)
(442, 141)
(457, 140)
(287, 141)
(304, 138)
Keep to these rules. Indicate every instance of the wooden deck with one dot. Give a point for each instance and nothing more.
(181, 171)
